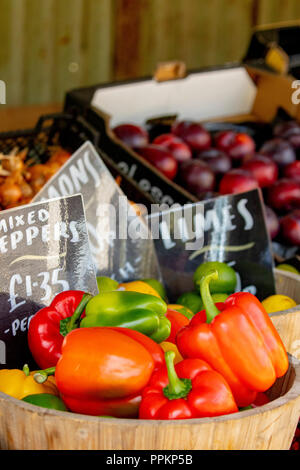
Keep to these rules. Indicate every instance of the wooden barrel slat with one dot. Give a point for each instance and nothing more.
(287, 322)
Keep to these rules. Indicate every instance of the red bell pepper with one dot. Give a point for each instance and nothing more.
(240, 342)
(50, 324)
(260, 399)
(199, 392)
(178, 321)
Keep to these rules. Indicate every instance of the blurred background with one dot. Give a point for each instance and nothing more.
(50, 46)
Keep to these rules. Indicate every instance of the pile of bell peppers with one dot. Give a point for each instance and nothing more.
(127, 353)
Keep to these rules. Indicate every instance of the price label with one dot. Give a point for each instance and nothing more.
(44, 250)
(46, 282)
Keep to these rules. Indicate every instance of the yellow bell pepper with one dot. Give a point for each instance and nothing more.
(138, 286)
(20, 383)
(182, 309)
(277, 303)
(166, 346)
(288, 267)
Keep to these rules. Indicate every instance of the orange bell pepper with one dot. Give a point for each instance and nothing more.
(138, 286)
(240, 342)
(167, 346)
(103, 370)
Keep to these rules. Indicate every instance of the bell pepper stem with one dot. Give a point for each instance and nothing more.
(177, 388)
(209, 305)
(78, 312)
(26, 370)
(69, 324)
(42, 375)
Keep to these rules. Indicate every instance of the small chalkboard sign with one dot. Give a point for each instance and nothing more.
(109, 217)
(229, 229)
(44, 250)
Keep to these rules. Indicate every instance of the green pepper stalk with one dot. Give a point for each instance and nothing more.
(209, 305)
(69, 324)
(26, 370)
(42, 375)
(177, 388)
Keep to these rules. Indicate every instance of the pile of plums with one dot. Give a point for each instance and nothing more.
(226, 162)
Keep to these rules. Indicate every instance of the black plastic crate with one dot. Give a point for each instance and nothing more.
(70, 132)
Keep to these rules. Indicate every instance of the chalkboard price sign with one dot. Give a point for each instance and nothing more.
(44, 250)
(108, 214)
(229, 229)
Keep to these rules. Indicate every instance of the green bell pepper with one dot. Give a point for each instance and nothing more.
(46, 400)
(141, 312)
(226, 282)
(106, 284)
(191, 300)
(106, 416)
(219, 297)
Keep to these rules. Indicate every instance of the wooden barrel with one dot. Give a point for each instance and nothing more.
(269, 427)
(287, 322)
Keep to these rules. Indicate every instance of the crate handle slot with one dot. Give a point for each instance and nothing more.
(173, 70)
